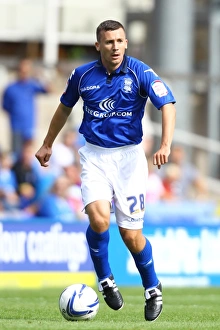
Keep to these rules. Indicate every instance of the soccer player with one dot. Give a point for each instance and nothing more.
(114, 90)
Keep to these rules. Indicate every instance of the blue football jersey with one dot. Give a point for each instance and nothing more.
(114, 104)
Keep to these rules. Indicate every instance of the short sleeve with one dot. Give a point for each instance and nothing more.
(155, 88)
(71, 94)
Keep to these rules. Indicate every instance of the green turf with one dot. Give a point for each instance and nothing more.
(184, 309)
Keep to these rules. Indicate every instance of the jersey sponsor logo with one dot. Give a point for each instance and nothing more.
(159, 88)
(107, 104)
(89, 88)
(106, 114)
(127, 85)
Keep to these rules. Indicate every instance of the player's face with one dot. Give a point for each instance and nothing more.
(112, 46)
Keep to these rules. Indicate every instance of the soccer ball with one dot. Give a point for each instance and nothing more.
(78, 302)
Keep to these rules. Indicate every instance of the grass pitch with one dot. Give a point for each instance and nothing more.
(184, 309)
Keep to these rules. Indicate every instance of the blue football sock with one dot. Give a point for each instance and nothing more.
(98, 247)
(145, 264)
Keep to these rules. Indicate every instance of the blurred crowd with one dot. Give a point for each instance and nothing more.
(178, 180)
(27, 190)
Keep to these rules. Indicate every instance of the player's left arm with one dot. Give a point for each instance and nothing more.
(168, 124)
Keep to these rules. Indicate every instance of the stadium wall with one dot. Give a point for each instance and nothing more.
(43, 253)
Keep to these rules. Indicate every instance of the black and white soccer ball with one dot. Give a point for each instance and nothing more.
(78, 302)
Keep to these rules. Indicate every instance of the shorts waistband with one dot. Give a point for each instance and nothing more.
(111, 150)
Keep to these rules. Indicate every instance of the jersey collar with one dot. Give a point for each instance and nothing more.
(122, 68)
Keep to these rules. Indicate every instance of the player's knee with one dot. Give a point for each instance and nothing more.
(99, 224)
(133, 239)
(99, 215)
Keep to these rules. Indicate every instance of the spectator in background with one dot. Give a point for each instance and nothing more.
(65, 152)
(74, 191)
(7, 176)
(9, 199)
(155, 187)
(27, 177)
(55, 204)
(188, 182)
(19, 102)
(172, 183)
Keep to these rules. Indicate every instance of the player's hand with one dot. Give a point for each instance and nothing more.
(161, 156)
(43, 155)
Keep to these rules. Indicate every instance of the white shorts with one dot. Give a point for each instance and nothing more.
(118, 175)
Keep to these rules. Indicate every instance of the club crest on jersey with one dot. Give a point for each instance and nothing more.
(127, 87)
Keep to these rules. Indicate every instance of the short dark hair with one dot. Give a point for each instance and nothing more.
(108, 25)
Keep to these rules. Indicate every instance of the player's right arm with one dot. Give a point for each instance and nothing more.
(168, 124)
(58, 121)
